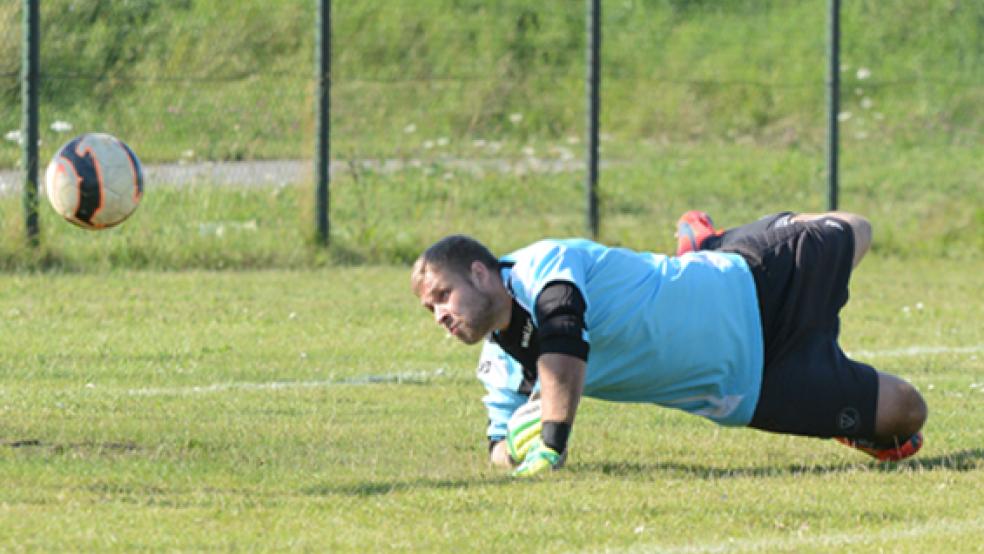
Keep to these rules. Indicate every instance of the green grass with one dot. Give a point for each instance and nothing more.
(322, 410)
(205, 377)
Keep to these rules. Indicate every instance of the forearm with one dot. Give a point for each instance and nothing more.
(561, 384)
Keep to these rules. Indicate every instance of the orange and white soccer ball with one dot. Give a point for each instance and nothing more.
(94, 181)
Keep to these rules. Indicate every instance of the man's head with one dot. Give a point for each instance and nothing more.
(457, 279)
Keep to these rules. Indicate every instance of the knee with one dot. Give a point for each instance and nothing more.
(914, 411)
(902, 411)
(861, 229)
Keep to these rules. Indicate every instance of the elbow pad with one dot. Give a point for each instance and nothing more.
(560, 311)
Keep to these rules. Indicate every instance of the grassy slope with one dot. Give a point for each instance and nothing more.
(171, 79)
(161, 429)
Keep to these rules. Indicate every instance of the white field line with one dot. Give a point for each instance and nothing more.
(412, 377)
(916, 351)
(417, 377)
(831, 542)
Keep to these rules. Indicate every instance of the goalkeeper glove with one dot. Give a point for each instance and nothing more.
(539, 458)
(523, 429)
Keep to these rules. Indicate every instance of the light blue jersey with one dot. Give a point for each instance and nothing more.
(683, 332)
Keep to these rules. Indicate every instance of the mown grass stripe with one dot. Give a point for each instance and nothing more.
(950, 528)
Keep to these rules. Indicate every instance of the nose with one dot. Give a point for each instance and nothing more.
(441, 316)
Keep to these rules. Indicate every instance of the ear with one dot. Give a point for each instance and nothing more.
(480, 274)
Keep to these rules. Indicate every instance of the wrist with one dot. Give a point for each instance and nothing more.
(555, 435)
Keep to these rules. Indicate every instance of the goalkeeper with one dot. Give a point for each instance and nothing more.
(744, 334)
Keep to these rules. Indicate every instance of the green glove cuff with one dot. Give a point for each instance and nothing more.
(539, 459)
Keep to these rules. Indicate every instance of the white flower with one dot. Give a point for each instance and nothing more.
(529, 151)
(428, 144)
(61, 126)
(411, 128)
(843, 116)
(443, 141)
(863, 73)
(866, 103)
(14, 136)
(515, 118)
(563, 153)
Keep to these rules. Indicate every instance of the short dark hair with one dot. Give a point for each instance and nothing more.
(453, 253)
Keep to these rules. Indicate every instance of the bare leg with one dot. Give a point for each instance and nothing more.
(859, 226)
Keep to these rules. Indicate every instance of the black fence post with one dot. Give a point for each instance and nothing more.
(833, 104)
(29, 125)
(323, 155)
(593, 85)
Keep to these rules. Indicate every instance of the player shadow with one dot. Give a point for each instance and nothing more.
(379, 488)
(963, 460)
(59, 447)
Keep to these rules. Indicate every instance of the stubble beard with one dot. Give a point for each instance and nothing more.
(481, 323)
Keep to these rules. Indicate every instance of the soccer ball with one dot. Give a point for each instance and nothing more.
(94, 181)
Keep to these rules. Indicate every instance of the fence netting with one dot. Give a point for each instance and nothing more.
(219, 93)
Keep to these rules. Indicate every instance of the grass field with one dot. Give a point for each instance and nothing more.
(321, 410)
(207, 378)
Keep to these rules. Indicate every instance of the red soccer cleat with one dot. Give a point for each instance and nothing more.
(693, 228)
(890, 454)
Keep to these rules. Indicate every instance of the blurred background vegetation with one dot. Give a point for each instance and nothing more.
(715, 104)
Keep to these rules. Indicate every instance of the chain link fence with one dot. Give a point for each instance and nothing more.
(211, 93)
(10, 64)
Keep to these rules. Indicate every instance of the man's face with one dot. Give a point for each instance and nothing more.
(458, 304)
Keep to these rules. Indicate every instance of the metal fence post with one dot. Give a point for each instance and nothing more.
(29, 125)
(593, 84)
(323, 155)
(833, 103)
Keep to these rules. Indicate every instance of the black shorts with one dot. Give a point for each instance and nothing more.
(801, 271)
